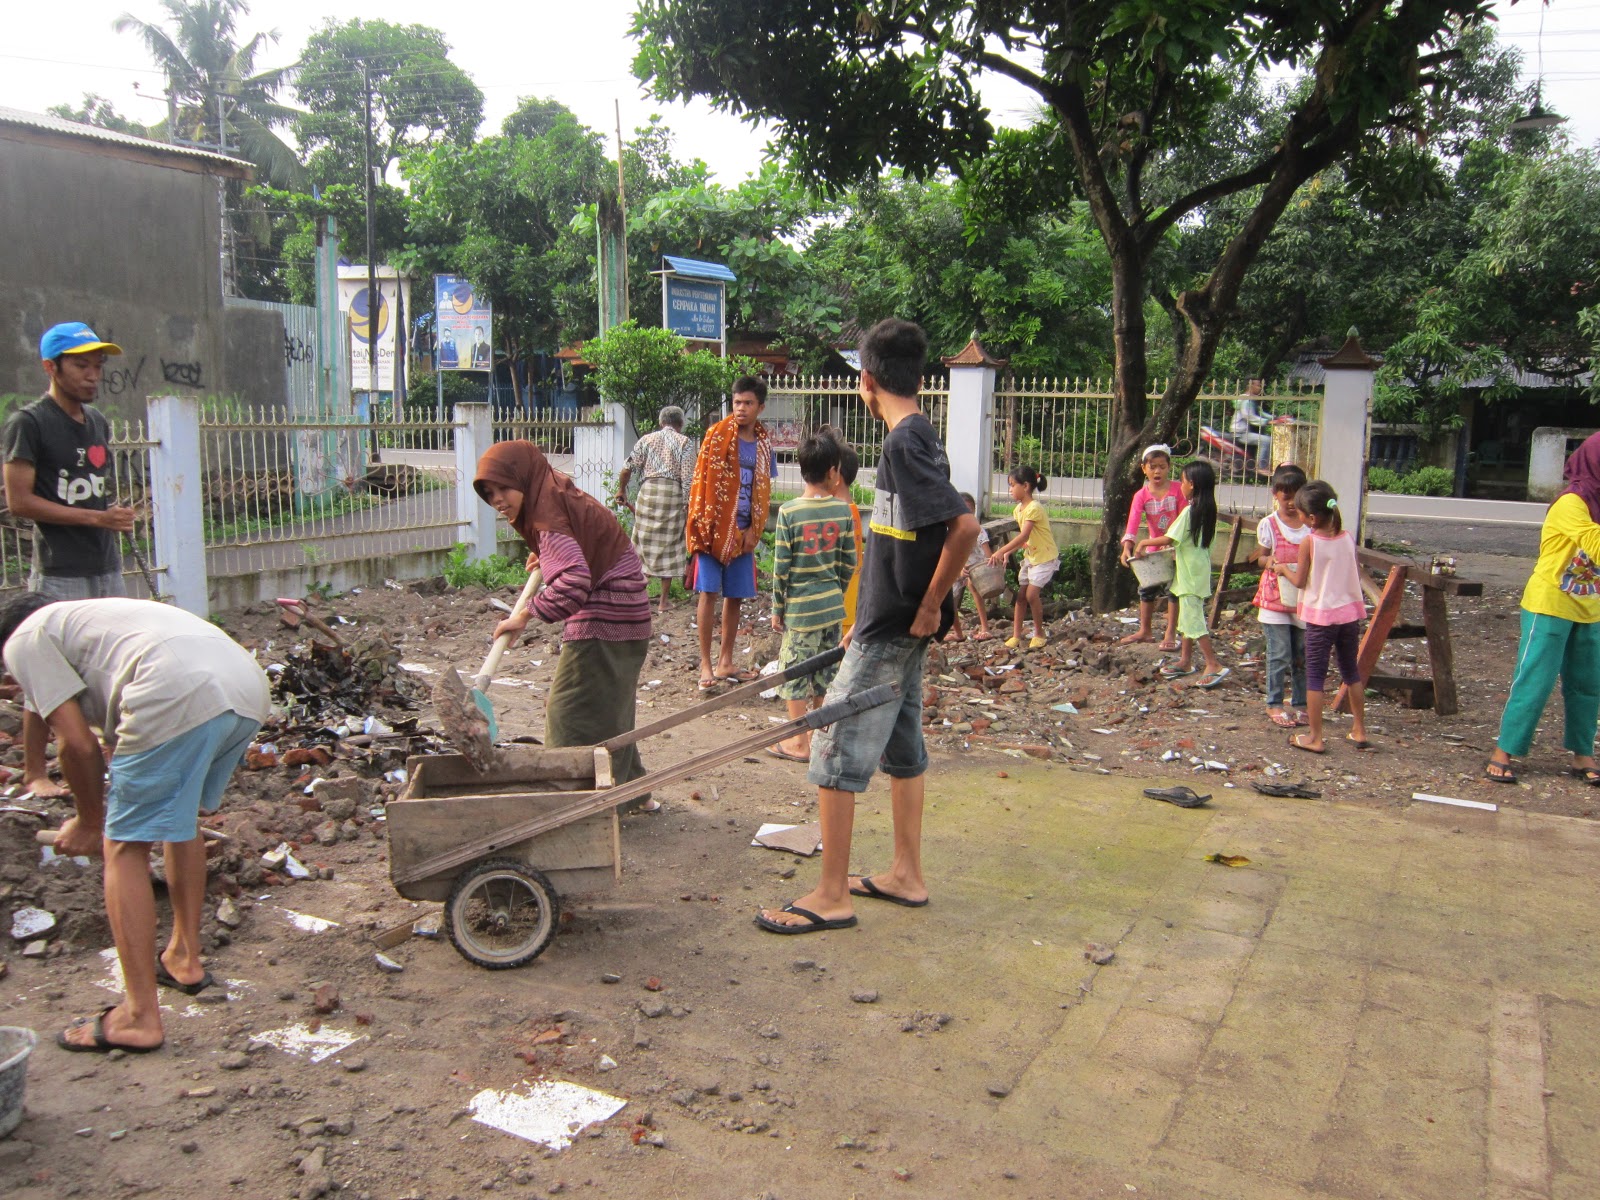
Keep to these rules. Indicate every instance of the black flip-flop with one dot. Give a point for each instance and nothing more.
(166, 979)
(102, 1044)
(1183, 797)
(737, 677)
(815, 924)
(1290, 791)
(873, 892)
(1589, 775)
(786, 756)
(1507, 773)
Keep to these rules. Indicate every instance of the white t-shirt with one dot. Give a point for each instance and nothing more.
(1265, 539)
(142, 672)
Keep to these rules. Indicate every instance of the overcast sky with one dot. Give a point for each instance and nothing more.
(579, 53)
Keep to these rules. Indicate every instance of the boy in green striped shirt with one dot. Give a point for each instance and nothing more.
(814, 555)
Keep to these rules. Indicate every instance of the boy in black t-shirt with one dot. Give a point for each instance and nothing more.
(919, 537)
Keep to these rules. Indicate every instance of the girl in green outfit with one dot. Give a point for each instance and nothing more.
(1191, 533)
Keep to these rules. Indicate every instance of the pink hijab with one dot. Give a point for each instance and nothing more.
(1583, 475)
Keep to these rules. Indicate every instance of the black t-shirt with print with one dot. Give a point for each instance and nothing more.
(72, 466)
(906, 532)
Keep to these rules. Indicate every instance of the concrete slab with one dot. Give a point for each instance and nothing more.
(1377, 1005)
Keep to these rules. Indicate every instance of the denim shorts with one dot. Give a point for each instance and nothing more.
(735, 580)
(77, 587)
(157, 795)
(845, 755)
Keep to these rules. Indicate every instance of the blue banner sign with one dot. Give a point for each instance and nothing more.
(694, 308)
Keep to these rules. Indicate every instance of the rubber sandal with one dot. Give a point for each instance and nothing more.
(1289, 791)
(1178, 672)
(1283, 720)
(737, 677)
(786, 756)
(1013, 643)
(1358, 743)
(1294, 743)
(166, 979)
(1183, 797)
(873, 892)
(1589, 775)
(1214, 680)
(102, 1044)
(1169, 647)
(1037, 643)
(710, 685)
(815, 924)
(1499, 772)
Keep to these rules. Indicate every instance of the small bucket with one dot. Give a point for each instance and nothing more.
(16, 1044)
(988, 580)
(1151, 569)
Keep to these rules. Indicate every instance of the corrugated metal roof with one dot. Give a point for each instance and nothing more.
(32, 120)
(695, 269)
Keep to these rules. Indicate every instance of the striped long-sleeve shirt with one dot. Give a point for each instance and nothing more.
(814, 554)
(614, 609)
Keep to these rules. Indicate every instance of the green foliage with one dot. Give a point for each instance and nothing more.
(493, 572)
(98, 111)
(646, 370)
(1424, 481)
(1073, 577)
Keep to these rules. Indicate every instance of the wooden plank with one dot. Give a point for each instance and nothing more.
(432, 774)
(1227, 570)
(1451, 585)
(1441, 657)
(1411, 691)
(579, 806)
(1383, 620)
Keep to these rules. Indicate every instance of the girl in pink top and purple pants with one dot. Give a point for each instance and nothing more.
(1331, 605)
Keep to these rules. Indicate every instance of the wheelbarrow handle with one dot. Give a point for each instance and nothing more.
(849, 706)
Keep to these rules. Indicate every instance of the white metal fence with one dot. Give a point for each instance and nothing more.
(797, 407)
(1062, 429)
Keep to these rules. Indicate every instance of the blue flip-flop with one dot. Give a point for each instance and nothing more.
(815, 924)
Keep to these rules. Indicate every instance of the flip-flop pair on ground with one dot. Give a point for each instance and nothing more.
(717, 681)
(1205, 682)
(101, 1044)
(818, 924)
(1504, 772)
(1284, 719)
(1296, 744)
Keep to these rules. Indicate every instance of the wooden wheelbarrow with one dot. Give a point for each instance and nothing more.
(496, 845)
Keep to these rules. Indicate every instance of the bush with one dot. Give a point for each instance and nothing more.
(1424, 481)
(493, 572)
(1381, 479)
(1072, 580)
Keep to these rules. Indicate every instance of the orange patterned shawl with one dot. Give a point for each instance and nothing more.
(714, 499)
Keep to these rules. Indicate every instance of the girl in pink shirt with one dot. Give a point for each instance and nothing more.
(1329, 578)
(1158, 504)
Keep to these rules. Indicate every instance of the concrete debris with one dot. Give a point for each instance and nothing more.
(29, 923)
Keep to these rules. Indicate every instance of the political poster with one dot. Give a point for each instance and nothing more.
(371, 325)
(465, 324)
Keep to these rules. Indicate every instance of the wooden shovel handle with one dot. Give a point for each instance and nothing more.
(492, 659)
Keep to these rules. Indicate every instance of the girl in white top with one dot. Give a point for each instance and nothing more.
(1331, 604)
(1278, 539)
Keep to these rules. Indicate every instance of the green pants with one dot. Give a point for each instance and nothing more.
(1550, 647)
(594, 697)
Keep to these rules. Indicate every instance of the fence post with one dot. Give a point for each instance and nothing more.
(474, 435)
(600, 450)
(177, 501)
(969, 422)
(1346, 427)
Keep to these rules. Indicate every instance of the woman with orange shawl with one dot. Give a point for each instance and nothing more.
(593, 583)
(727, 512)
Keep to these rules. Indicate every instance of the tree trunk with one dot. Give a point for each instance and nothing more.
(1112, 586)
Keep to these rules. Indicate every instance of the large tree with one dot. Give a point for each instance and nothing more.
(1129, 90)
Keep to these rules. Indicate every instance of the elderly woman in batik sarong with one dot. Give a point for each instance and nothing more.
(664, 462)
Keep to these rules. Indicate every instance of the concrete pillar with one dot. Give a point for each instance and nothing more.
(1346, 428)
(600, 450)
(474, 434)
(969, 422)
(177, 514)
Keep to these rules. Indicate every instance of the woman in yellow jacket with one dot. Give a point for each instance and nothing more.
(1560, 627)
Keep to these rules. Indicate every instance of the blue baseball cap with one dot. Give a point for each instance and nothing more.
(73, 337)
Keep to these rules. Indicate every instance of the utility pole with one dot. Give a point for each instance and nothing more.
(374, 300)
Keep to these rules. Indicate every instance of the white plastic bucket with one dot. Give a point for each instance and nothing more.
(1151, 569)
(16, 1044)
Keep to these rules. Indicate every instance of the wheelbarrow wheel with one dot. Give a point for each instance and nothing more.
(501, 913)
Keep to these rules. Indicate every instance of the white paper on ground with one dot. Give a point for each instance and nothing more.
(307, 922)
(771, 827)
(550, 1112)
(300, 1041)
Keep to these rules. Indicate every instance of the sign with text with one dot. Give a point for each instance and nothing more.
(370, 324)
(694, 308)
(466, 325)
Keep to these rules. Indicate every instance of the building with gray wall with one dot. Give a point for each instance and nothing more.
(123, 233)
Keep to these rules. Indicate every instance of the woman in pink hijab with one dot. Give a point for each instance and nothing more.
(1560, 627)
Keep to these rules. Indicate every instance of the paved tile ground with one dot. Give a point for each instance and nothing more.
(1377, 1005)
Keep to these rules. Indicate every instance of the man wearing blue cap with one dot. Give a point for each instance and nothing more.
(58, 475)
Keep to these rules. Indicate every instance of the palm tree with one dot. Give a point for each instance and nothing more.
(218, 98)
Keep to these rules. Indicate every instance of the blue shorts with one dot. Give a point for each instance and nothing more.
(736, 580)
(157, 795)
(889, 737)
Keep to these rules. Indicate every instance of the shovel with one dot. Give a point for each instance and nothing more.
(466, 712)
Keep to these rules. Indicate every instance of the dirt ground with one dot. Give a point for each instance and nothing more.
(658, 992)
